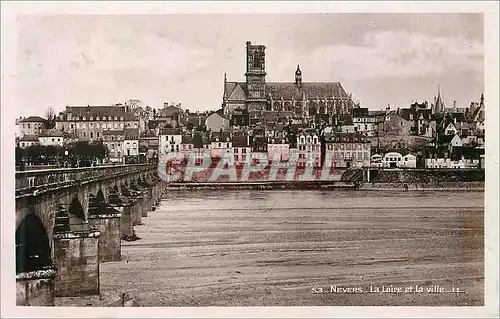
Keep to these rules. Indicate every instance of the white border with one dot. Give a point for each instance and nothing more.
(11, 9)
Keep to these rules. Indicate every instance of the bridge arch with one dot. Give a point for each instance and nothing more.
(100, 196)
(33, 250)
(75, 209)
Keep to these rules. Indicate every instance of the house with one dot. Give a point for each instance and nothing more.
(28, 140)
(395, 125)
(170, 141)
(278, 148)
(32, 125)
(114, 140)
(131, 143)
(376, 160)
(241, 149)
(363, 122)
(308, 149)
(89, 122)
(343, 123)
(171, 115)
(421, 119)
(392, 159)
(150, 144)
(239, 118)
(408, 161)
(221, 146)
(347, 150)
(51, 137)
(187, 144)
(216, 122)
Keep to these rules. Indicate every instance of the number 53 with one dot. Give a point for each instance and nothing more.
(316, 290)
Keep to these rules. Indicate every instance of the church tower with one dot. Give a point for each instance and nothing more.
(298, 77)
(256, 77)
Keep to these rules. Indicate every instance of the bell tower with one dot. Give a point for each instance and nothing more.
(256, 77)
(298, 76)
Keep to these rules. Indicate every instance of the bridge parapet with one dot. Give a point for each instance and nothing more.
(29, 182)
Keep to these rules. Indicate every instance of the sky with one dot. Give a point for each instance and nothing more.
(385, 58)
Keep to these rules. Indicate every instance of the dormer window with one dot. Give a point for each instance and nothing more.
(104, 118)
(121, 118)
(116, 118)
(91, 118)
(97, 118)
(84, 118)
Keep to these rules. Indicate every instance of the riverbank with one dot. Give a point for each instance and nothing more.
(397, 186)
(446, 186)
(264, 185)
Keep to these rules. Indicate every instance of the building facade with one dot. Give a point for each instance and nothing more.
(32, 125)
(89, 122)
(348, 150)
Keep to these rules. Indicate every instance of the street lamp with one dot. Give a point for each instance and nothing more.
(66, 154)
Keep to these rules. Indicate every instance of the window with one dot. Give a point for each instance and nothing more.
(53, 140)
(244, 150)
(29, 125)
(113, 146)
(77, 125)
(91, 125)
(220, 145)
(116, 118)
(84, 125)
(121, 118)
(104, 118)
(22, 144)
(84, 118)
(227, 145)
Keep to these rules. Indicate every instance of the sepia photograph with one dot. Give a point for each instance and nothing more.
(249, 159)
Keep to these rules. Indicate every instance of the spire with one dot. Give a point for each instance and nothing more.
(439, 101)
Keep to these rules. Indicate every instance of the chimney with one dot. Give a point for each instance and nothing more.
(454, 105)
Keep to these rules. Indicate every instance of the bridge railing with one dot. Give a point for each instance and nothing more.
(31, 180)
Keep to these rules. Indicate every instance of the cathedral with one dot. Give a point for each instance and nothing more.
(296, 98)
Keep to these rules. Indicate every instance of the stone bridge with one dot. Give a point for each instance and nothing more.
(70, 220)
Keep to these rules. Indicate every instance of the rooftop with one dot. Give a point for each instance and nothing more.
(32, 119)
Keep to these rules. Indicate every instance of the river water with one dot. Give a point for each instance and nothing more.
(305, 248)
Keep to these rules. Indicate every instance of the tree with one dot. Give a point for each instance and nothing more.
(132, 105)
(50, 117)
